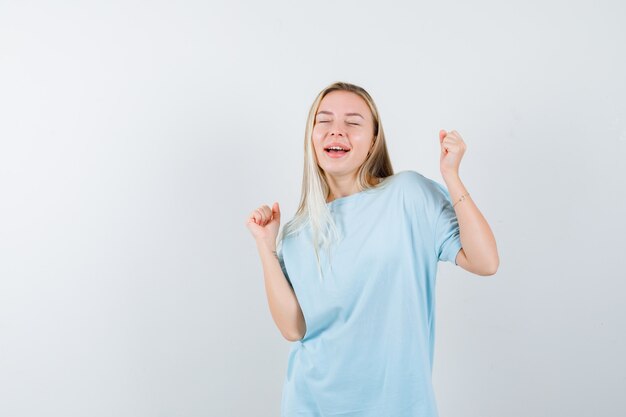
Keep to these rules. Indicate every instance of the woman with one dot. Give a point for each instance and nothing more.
(362, 313)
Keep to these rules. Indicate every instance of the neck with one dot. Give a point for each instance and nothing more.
(345, 186)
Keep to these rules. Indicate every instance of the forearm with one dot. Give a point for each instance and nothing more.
(281, 298)
(477, 239)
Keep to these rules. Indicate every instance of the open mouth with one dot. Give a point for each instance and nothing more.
(336, 150)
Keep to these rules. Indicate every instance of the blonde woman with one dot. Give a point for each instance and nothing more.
(351, 278)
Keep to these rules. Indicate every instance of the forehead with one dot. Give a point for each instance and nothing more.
(340, 102)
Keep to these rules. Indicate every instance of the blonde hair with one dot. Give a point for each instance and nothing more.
(315, 190)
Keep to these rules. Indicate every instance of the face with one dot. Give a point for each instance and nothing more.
(343, 118)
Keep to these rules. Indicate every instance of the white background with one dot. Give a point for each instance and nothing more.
(137, 136)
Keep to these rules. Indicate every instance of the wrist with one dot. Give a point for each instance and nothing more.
(450, 175)
(265, 245)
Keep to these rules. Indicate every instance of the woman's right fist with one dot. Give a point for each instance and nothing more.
(264, 222)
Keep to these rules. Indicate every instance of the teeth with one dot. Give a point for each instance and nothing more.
(336, 148)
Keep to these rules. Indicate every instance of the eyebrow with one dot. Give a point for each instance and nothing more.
(347, 114)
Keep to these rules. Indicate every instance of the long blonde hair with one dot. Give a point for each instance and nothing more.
(315, 190)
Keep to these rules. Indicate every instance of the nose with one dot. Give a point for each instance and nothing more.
(336, 130)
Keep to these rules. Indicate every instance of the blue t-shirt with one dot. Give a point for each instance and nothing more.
(370, 322)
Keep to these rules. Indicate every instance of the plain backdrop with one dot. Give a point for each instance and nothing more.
(136, 137)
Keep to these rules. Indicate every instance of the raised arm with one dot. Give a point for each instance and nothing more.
(263, 223)
(281, 298)
(479, 253)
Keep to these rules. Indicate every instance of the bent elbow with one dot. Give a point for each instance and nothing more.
(295, 335)
(292, 337)
(491, 270)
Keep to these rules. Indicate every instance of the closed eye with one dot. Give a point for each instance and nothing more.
(326, 121)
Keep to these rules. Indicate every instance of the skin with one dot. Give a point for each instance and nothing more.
(335, 121)
(479, 253)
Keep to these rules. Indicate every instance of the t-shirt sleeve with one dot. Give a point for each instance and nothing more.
(447, 235)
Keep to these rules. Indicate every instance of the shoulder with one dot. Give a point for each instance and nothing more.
(415, 182)
(410, 177)
(425, 193)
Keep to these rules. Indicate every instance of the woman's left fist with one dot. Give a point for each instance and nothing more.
(452, 150)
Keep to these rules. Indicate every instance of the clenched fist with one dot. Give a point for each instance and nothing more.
(264, 222)
(452, 149)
